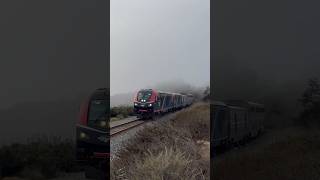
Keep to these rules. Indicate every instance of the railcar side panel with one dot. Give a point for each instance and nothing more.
(220, 124)
(238, 124)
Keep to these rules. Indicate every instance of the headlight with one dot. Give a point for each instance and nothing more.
(83, 135)
(103, 123)
(150, 105)
(135, 104)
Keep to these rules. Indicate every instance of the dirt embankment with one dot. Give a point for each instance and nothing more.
(290, 153)
(174, 149)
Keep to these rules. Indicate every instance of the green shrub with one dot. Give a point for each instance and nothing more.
(121, 111)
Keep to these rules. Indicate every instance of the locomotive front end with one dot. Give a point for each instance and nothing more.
(144, 103)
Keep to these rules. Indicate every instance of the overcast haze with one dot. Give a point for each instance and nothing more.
(155, 41)
(52, 55)
(265, 51)
(51, 49)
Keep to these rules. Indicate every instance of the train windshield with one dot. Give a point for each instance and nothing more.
(144, 95)
(98, 114)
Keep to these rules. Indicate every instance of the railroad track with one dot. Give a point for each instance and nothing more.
(119, 128)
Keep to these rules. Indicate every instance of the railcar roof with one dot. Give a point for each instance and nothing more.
(255, 104)
(170, 93)
(165, 92)
(219, 103)
(237, 107)
(243, 102)
(148, 89)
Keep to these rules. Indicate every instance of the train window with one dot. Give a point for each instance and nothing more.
(167, 101)
(144, 95)
(97, 113)
(161, 97)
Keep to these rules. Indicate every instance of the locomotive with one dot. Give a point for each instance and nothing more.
(150, 102)
(235, 122)
(92, 134)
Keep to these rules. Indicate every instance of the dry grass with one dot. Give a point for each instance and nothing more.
(168, 150)
(167, 164)
(297, 156)
(196, 121)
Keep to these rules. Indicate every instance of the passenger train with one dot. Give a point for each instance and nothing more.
(235, 122)
(150, 102)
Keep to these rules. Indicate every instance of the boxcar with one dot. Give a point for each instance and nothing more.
(235, 122)
(255, 115)
(238, 118)
(220, 124)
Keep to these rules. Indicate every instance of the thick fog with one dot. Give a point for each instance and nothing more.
(53, 54)
(156, 41)
(265, 50)
(51, 49)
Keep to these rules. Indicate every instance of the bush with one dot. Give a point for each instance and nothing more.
(311, 103)
(121, 111)
(43, 155)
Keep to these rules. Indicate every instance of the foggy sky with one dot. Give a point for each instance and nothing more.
(52, 55)
(278, 39)
(265, 50)
(155, 41)
(51, 49)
